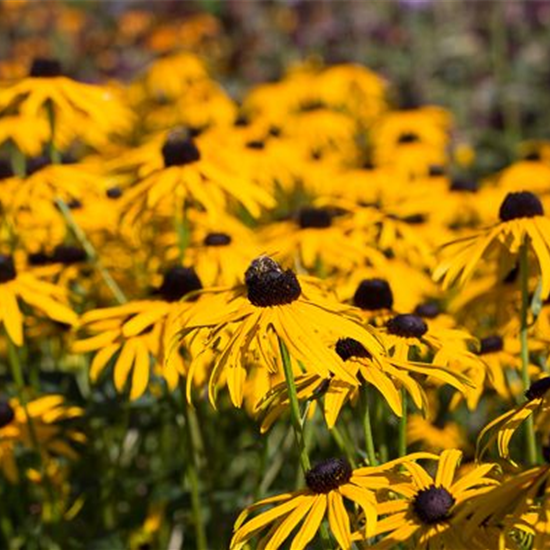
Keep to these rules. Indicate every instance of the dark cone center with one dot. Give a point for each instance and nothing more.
(317, 218)
(114, 193)
(43, 67)
(178, 282)
(217, 239)
(328, 475)
(433, 505)
(268, 285)
(347, 348)
(179, 151)
(491, 344)
(7, 414)
(7, 269)
(39, 258)
(464, 185)
(5, 170)
(407, 325)
(256, 144)
(68, 255)
(520, 205)
(436, 170)
(429, 310)
(538, 388)
(373, 294)
(408, 137)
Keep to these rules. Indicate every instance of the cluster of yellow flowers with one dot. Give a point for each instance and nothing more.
(309, 250)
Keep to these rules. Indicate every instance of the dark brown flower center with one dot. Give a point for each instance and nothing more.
(7, 414)
(520, 205)
(429, 310)
(538, 388)
(179, 151)
(408, 137)
(39, 258)
(45, 68)
(114, 193)
(491, 344)
(407, 325)
(436, 170)
(373, 294)
(177, 282)
(5, 169)
(268, 285)
(464, 185)
(7, 268)
(328, 475)
(347, 348)
(217, 239)
(433, 505)
(68, 255)
(256, 144)
(317, 218)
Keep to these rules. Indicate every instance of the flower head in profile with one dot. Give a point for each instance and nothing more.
(47, 415)
(328, 484)
(522, 221)
(272, 306)
(18, 287)
(423, 515)
(132, 333)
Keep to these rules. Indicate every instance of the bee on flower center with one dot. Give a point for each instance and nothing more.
(268, 285)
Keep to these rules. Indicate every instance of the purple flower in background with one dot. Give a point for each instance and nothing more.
(415, 4)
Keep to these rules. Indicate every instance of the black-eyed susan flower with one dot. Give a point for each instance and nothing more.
(381, 372)
(39, 295)
(522, 221)
(328, 484)
(38, 426)
(423, 513)
(194, 170)
(136, 332)
(273, 305)
(72, 103)
(502, 429)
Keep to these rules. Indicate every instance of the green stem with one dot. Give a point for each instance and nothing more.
(193, 476)
(367, 428)
(182, 228)
(524, 282)
(403, 426)
(295, 418)
(90, 251)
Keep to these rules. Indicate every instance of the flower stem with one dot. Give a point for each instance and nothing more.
(55, 156)
(297, 424)
(193, 476)
(403, 426)
(294, 407)
(90, 251)
(367, 428)
(524, 282)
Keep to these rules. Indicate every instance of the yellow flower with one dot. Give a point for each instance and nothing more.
(272, 305)
(424, 515)
(136, 331)
(37, 294)
(522, 221)
(46, 415)
(328, 484)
